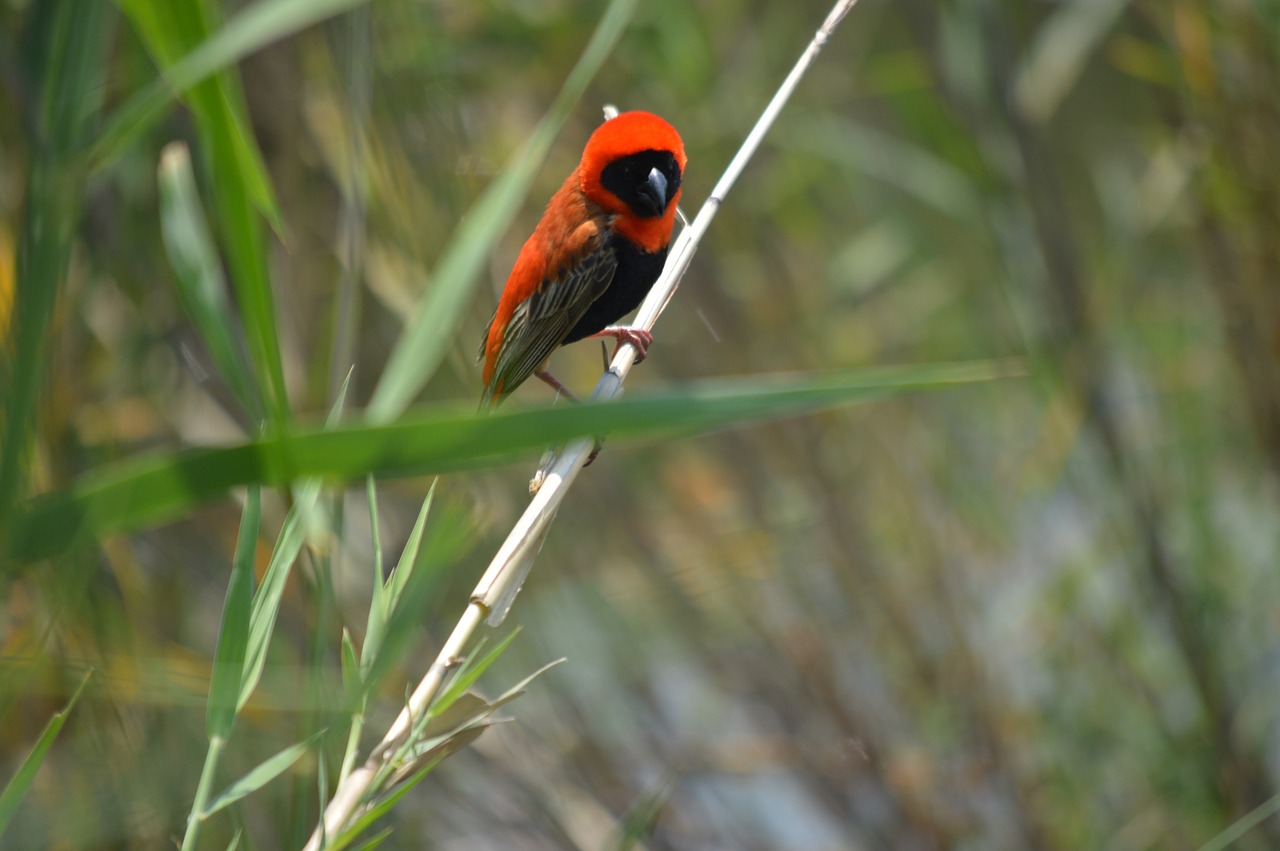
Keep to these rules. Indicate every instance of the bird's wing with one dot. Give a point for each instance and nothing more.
(541, 322)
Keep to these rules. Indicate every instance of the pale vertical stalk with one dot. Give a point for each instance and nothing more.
(493, 596)
(195, 820)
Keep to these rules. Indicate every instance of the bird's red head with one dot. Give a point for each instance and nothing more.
(632, 166)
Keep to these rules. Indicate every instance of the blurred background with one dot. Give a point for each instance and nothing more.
(1033, 613)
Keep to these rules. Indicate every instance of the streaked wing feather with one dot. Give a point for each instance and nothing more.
(541, 322)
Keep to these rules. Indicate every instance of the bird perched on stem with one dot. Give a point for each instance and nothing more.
(599, 248)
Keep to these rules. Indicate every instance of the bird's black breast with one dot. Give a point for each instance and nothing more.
(637, 270)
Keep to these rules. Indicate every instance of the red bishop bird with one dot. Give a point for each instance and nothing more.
(594, 256)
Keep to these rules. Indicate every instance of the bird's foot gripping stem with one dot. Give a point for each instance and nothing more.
(637, 337)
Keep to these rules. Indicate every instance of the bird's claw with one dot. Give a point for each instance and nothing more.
(637, 337)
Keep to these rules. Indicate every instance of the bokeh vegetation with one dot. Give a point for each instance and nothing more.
(1032, 613)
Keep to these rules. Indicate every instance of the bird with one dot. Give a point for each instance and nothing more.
(594, 256)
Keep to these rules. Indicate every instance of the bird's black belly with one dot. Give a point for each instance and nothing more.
(636, 272)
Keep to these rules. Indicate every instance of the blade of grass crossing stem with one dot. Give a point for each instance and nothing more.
(20, 784)
(198, 272)
(378, 810)
(233, 635)
(428, 335)
(130, 494)
(259, 776)
(249, 30)
(470, 671)
(70, 98)
(171, 31)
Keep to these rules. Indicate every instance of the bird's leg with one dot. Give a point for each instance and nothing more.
(637, 337)
(555, 383)
(564, 391)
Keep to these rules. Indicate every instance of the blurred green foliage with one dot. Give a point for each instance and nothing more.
(1024, 614)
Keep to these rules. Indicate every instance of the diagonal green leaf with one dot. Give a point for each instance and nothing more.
(137, 492)
(470, 671)
(378, 810)
(428, 336)
(20, 784)
(233, 635)
(260, 776)
(374, 841)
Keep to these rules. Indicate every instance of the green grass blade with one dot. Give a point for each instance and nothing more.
(237, 178)
(266, 603)
(259, 776)
(351, 685)
(250, 30)
(470, 671)
(448, 542)
(171, 31)
(233, 635)
(387, 595)
(20, 784)
(70, 97)
(201, 286)
(409, 556)
(379, 809)
(374, 841)
(1243, 825)
(428, 336)
(142, 491)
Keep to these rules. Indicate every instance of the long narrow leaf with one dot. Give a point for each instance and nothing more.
(386, 595)
(138, 492)
(260, 776)
(233, 635)
(266, 603)
(18, 786)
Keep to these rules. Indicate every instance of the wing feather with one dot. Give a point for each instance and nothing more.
(541, 322)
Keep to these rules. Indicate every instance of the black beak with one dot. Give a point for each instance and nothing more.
(653, 192)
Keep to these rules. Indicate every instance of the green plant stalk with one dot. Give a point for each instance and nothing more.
(353, 740)
(196, 819)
